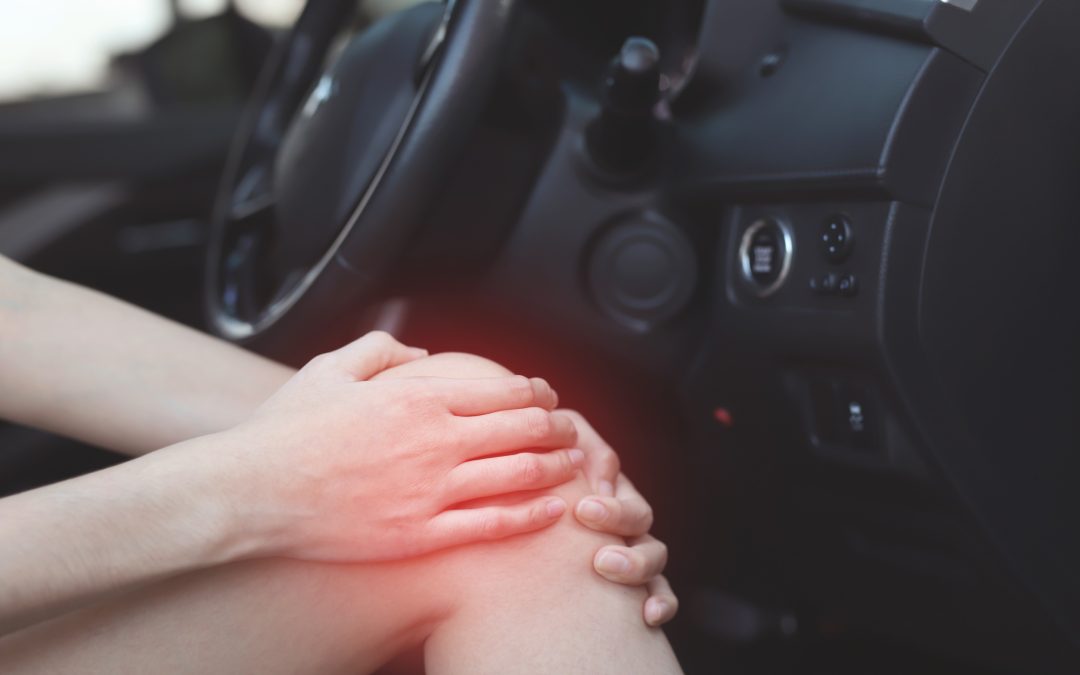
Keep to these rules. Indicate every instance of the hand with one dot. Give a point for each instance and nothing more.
(335, 468)
(618, 508)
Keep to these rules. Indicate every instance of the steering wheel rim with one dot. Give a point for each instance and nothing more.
(455, 72)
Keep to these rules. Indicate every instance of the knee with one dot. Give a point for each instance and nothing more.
(448, 364)
(540, 569)
(460, 364)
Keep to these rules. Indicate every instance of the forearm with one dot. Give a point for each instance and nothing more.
(69, 544)
(82, 364)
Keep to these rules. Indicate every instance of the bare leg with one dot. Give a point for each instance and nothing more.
(533, 604)
(528, 604)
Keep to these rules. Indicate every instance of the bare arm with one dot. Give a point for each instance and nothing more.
(88, 366)
(84, 365)
(72, 543)
(331, 468)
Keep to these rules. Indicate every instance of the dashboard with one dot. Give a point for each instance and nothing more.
(833, 237)
(885, 174)
(852, 257)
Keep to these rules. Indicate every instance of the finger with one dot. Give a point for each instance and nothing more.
(375, 352)
(512, 473)
(464, 526)
(467, 397)
(661, 605)
(601, 462)
(630, 517)
(632, 565)
(510, 430)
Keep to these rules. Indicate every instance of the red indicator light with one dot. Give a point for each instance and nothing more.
(723, 416)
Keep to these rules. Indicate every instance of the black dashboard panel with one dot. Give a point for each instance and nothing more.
(847, 104)
(939, 140)
(876, 116)
(998, 314)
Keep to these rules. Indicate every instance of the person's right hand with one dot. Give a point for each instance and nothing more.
(335, 468)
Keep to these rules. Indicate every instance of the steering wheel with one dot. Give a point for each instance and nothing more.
(320, 194)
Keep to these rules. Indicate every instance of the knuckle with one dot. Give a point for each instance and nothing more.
(530, 469)
(609, 461)
(574, 415)
(566, 465)
(520, 388)
(538, 424)
(661, 555)
(565, 426)
(380, 338)
(542, 388)
(490, 525)
(647, 518)
(319, 362)
(538, 515)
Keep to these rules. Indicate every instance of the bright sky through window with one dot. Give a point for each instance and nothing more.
(54, 47)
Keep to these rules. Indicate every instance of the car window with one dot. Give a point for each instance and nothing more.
(53, 48)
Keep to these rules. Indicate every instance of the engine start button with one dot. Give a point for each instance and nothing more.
(765, 256)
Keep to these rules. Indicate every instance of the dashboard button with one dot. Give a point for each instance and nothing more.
(837, 239)
(824, 285)
(845, 414)
(765, 256)
(857, 416)
(847, 285)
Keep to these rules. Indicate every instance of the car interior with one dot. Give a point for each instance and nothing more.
(804, 263)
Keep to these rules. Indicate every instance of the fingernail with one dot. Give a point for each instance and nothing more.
(613, 563)
(592, 510)
(606, 489)
(577, 457)
(555, 508)
(654, 611)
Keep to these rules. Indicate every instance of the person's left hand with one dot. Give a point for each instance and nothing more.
(618, 508)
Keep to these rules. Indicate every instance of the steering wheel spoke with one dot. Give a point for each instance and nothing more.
(342, 148)
(239, 288)
(254, 198)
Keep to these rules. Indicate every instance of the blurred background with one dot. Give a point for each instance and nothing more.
(116, 117)
(115, 121)
(65, 47)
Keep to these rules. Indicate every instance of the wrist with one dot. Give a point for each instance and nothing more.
(198, 487)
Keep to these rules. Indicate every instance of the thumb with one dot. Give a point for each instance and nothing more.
(373, 353)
